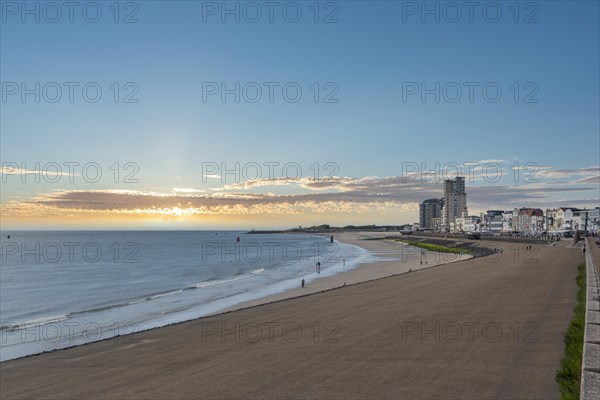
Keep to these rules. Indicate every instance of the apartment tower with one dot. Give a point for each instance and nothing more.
(455, 200)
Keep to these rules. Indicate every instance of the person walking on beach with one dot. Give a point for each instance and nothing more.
(303, 283)
(343, 262)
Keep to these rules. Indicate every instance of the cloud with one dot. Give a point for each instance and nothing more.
(329, 195)
(188, 190)
(50, 170)
(547, 172)
(492, 161)
(79, 201)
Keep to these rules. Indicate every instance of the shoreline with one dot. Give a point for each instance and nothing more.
(391, 258)
(385, 259)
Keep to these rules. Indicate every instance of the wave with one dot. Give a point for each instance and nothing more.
(136, 301)
(217, 282)
(354, 258)
(9, 327)
(164, 294)
(59, 318)
(153, 296)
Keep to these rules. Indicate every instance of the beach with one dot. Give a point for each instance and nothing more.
(392, 258)
(173, 277)
(480, 328)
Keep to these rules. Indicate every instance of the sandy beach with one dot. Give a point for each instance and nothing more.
(481, 328)
(393, 258)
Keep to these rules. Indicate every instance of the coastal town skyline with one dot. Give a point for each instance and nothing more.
(450, 214)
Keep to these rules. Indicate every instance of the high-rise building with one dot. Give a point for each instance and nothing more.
(455, 200)
(430, 212)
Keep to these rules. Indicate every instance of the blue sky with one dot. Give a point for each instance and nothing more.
(367, 56)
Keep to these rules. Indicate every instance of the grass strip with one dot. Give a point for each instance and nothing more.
(428, 246)
(568, 376)
(435, 247)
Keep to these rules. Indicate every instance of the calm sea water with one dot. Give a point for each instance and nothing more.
(65, 288)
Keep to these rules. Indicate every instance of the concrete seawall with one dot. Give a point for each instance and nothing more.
(590, 369)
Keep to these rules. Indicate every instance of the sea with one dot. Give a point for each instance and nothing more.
(60, 289)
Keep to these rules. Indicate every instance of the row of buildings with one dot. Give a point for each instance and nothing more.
(450, 214)
(536, 221)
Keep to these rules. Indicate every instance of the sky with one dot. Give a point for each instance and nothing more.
(239, 115)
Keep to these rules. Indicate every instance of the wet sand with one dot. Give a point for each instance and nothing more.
(484, 328)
